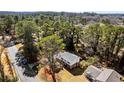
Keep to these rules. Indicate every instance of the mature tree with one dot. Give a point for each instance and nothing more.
(47, 28)
(26, 29)
(112, 40)
(83, 21)
(77, 33)
(9, 21)
(106, 21)
(105, 40)
(2, 26)
(50, 46)
(67, 33)
(91, 36)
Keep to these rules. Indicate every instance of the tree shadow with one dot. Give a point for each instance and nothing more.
(29, 71)
(75, 71)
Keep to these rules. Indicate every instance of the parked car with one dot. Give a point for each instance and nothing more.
(21, 60)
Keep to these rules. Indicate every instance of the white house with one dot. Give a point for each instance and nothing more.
(68, 59)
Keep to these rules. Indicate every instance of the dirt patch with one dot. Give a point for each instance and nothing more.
(45, 75)
(9, 73)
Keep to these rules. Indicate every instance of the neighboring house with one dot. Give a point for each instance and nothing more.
(68, 59)
(92, 72)
(109, 75)
(105, 75)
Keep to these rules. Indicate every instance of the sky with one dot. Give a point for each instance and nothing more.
(63, 5)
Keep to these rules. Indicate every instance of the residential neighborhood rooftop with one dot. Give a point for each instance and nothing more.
(105, 75)
(69, 58)
(92, 70)
(109, 75)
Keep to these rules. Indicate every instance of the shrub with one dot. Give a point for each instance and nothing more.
(90, 61)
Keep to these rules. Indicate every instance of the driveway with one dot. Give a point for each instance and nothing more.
(19, 70)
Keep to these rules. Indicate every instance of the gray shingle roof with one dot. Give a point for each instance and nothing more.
(109, 75)
(93, 71)
(106, 75)
(68, 58)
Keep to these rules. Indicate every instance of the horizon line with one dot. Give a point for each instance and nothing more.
(98, 12)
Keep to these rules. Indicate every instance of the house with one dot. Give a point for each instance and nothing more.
(68, 59)
(105, 75)
(92, 72)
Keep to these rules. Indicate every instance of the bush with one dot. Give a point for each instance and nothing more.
(90, 61)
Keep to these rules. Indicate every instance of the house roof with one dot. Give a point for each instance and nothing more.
(109, 75)
(93, 71)
(68, 58)
(106, 75)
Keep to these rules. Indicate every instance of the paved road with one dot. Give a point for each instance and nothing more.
(19, 70)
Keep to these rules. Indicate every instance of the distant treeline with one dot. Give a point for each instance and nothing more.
(60, 13)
